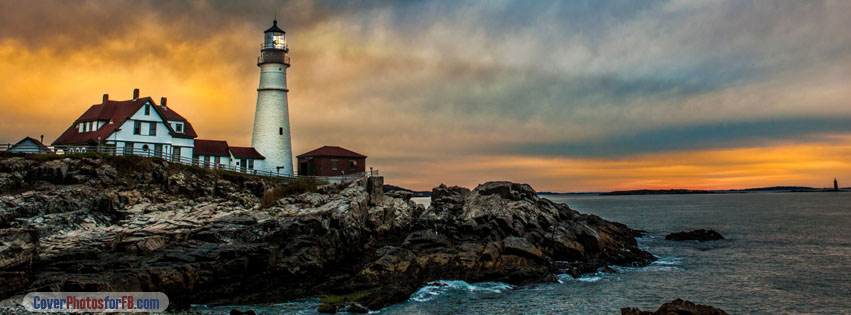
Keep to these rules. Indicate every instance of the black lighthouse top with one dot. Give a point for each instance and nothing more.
(275, 38)
(274, 28)
(274, 47)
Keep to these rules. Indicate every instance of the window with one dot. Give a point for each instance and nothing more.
(89, 126)
(147, 109)
(137, 127)
(353, 165)
(334, 165)
(218, 161)
(206, 161)
(152, 130)
(281, 131)
(145, 147)
(178, 127)
(251, 164)
(84, 127)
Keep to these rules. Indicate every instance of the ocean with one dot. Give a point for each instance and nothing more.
(786, 253)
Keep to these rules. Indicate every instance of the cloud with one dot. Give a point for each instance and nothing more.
(417, 81)
(705, 137)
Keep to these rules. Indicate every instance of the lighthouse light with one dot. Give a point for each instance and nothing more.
(279, 41)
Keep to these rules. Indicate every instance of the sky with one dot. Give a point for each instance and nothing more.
(563, 95)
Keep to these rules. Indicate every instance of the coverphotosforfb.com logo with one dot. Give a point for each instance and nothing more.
(77, 302)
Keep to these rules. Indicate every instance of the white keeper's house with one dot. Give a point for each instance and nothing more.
(133, 126)
(139, 126)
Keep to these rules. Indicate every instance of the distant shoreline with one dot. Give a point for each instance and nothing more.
(696, 192)
(797, 189)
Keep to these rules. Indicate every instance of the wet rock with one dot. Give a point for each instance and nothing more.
(238, 312)
(121, 224)
(696, 235)
(678, 307)
(327, 309)
(356, 308)
(18, 248)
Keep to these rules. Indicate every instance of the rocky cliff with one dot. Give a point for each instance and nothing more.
(134, 224)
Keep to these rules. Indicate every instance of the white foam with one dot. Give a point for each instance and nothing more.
(438, 288)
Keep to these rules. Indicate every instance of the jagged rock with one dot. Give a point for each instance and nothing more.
(401, 194)
(696, 235)
(678, 307)
(199, 236)
(18, 248)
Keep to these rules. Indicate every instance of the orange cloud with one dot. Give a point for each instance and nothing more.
(814, 164)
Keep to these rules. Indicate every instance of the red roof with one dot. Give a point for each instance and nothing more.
(210, 147)
(245, 153)
(118, 112)
(38, 143)
(331, 151)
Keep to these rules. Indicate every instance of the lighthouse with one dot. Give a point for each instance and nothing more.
(271, 134)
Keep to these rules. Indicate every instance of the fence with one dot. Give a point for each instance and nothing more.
(172, 158)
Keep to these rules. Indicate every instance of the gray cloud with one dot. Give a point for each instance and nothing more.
(714, 136)
(580, 78)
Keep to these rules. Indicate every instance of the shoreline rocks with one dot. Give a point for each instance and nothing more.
(696, 235)
(678, 306)
(132, 224)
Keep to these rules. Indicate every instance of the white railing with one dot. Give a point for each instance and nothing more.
(151, 153)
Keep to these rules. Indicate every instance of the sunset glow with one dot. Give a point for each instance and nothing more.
(664, 94)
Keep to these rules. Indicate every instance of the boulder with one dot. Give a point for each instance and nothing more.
(696, 235)
(678, 307)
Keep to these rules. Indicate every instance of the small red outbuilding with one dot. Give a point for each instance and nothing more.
(331, 161)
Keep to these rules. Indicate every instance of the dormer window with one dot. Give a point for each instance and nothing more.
(178, 127)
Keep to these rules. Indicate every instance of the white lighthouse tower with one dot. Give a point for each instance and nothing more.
(271, 134)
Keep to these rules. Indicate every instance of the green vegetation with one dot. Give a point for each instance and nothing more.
(332, 302)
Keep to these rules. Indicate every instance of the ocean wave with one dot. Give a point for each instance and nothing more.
(591, 277)
(667, 261)
(661, 264)
(442, 287)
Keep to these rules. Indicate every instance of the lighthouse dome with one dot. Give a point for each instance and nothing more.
(274, 28)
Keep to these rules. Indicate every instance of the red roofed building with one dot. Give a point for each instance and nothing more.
(211, 153)
(29, 145)
(141, 127)
(135, 126)
(218, 154)
(331, 161)
(247, 158)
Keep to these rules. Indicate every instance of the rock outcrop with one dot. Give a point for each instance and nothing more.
(199, 236)
(678, 307)
(696, 235)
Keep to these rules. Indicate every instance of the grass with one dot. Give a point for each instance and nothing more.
(288, 188)
(339, 299)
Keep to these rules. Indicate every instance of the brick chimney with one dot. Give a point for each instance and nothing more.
(105, 98)
(135, 94)
(163, 101)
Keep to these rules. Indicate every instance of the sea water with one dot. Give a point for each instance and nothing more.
(783, 253)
